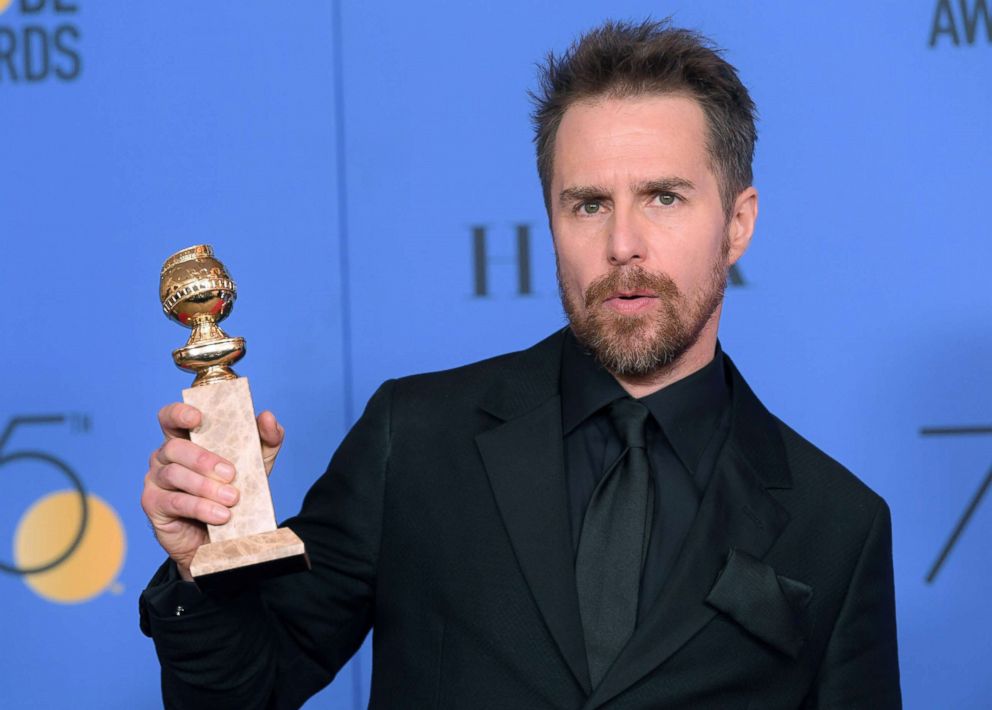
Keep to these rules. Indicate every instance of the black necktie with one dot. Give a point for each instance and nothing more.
(613, 543)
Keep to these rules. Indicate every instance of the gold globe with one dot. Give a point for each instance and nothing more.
(197, 291)
(194, 284)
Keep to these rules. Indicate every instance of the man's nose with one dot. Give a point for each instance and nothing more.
(627, 238)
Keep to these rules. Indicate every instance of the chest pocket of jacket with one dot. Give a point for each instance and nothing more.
(770, 607)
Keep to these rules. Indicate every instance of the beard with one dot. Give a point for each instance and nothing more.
(638, 345)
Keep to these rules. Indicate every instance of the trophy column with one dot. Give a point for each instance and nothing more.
(197, 291)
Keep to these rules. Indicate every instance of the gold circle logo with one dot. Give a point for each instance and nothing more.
(49, 526)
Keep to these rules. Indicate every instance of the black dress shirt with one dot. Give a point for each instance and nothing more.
(688, 424)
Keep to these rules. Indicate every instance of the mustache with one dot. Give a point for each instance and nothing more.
(631, 278)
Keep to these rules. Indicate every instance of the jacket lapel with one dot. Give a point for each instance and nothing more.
(736, 512)
(525, 464)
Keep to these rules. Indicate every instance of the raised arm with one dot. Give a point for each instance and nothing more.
(277, 643)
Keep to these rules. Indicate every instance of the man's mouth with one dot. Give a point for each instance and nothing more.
(630, 301)
(629, 290)
(630, 295)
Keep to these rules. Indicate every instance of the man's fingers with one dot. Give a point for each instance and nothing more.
(271, 434)
(177, 419)
(176, 504)
(196, 458)
(174, 477)
(269, 430)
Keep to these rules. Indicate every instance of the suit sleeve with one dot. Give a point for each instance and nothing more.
(860, 668)
(276, 644)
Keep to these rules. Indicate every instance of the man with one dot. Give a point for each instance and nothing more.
(608, 519)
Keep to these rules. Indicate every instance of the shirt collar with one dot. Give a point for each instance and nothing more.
(586, 387)
(688, 411)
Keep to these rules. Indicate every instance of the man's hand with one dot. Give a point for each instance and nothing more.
(187, 486)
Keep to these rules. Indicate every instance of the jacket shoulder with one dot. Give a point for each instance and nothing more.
(516, 379)
(443, 387)
(824, 476)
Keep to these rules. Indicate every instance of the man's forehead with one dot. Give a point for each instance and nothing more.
(632, 140)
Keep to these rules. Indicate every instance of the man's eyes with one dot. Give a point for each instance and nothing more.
(590, 208)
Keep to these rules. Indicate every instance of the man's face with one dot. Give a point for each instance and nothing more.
(641, 237)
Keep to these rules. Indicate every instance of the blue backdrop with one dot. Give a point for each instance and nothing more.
(349, 162)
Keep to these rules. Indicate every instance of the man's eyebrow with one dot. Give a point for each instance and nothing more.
(665, 184)
(588, 193)
(582, 193)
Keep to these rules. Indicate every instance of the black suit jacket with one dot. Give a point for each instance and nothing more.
(442, 524)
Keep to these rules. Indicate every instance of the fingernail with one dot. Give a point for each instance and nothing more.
(227, 494)
(221, 513)
(188, 417)
(225, 471)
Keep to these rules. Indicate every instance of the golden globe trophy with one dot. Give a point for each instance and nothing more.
(197, 291)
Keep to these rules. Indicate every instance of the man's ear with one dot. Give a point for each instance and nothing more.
(740, 229)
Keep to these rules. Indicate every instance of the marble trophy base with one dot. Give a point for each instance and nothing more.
(249, 546)
(231, 564)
